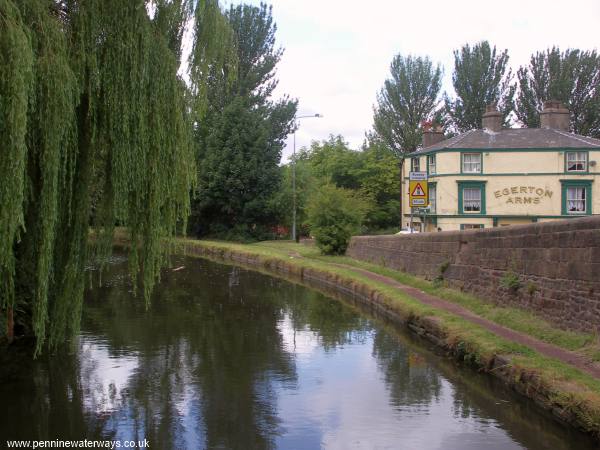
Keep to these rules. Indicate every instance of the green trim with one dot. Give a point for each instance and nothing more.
(587, 162)
(462, 163)
(495, 221)
(515, 174)
(471, 184)
(587, 184)
(507, 216)
(504, 150)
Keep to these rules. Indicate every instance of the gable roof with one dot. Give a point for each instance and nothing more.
(514, 138)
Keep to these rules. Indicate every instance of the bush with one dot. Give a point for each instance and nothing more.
(511, 281)
(334, 215)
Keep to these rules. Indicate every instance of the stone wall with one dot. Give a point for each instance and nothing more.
(551, 268)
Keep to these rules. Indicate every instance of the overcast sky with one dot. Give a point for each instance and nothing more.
(338, 52)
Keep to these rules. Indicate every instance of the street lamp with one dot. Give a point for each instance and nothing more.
(294, 175)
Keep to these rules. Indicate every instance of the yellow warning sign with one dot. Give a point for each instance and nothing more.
(418, 194)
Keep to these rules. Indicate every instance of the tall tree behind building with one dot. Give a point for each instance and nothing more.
(408, 98)
(573, 77)
(481, 77)
(240, 141)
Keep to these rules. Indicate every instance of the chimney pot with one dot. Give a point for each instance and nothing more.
(555, 116)
(492, 119)
(432, 135)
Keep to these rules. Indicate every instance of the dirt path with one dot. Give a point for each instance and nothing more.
(581, 362)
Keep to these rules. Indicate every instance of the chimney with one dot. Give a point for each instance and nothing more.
(492, 119)
(432, 135)
(555, 115)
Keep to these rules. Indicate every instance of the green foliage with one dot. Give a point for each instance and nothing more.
(16, 64)
(510, 280)
(531, 288)
(572, 77)
(379, 182)
(480, 78)
(306, 185)
(239, 140)
(408, 98)
(334, 215)
(438, 281)
(97, 124)
(371, 174)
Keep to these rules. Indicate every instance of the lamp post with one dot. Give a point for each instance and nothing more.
(294, 176)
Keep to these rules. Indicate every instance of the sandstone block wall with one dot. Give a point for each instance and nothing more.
(555, 265)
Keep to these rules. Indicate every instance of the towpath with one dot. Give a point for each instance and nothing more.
(577, 360)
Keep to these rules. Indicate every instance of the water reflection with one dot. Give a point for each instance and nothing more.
(226, 358)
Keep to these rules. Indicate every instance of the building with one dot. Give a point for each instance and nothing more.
(496, 177)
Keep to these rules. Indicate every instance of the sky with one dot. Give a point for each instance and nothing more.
(338, 52)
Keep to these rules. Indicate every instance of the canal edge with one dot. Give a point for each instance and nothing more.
(562, 404)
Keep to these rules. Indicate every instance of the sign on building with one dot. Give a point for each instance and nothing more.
(417, 176)
(418, 190)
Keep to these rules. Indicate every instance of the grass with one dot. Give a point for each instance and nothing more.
(564, 386)
(513, 318)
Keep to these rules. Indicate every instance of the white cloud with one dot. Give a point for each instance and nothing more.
(338, 51)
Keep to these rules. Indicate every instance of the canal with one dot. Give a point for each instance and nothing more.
(227, 358)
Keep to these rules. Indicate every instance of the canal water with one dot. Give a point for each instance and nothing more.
(226, 358)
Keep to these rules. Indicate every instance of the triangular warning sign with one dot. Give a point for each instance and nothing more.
(418, 191)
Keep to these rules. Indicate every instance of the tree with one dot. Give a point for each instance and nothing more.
(408, 98)
(91, 109)
(240, 140)
(334, 215)
(283, 202)
(572, 77)
(481, 78)
(380, 184)
(332, 161)
(370, 175)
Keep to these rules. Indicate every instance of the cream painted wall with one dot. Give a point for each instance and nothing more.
(508, 162)
(518, 195)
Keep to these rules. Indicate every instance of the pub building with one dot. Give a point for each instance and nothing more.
(506, 176)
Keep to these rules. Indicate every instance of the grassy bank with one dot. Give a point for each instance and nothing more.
(571, 395)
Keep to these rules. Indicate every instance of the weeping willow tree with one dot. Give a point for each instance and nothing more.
(95, 125)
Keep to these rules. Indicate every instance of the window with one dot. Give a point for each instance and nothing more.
(472, 200)
(471, 226)
(576, 162)
(576, 200)
(432, 193)
(414, 165)
(431, 164)
(576, 197)
(471, 197)
(471, 162)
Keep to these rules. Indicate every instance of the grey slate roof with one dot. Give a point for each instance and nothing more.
(514, 138)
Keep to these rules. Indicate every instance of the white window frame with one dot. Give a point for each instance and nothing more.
(577, 159)
(432, 200)
(574, 200)
(473, 226)
(471, 203)
(415, 164)
(471, 166)
(431, 164)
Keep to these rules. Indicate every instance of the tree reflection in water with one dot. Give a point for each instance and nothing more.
(410, 379)
(226, 358)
